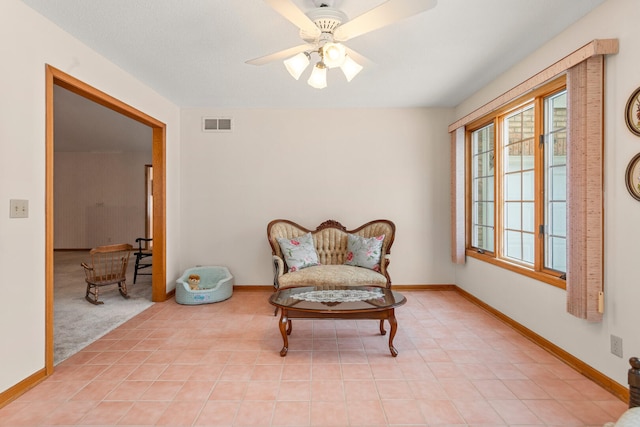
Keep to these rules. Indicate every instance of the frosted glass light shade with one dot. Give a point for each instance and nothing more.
(318, 78)
(333, 54)
(350, 68)
(297, 64)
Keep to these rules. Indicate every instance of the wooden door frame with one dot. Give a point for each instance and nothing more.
(159, 287)
(148, 216)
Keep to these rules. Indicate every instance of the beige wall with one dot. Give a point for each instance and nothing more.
(541, 307)
(351, 165)
(99, 198)
(28, 42)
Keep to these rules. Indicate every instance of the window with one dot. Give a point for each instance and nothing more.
(568, 120)
(518, 182)
(483, 187)
(555, 170)
(517, 177)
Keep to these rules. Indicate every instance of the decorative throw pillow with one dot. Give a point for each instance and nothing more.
(364, 251)
(299, 252)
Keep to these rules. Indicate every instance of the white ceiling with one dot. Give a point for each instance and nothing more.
(194, 51)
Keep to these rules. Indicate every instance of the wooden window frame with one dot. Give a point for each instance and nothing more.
(536, 270)
(469, 182)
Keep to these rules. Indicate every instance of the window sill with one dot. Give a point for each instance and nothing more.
(537, 275)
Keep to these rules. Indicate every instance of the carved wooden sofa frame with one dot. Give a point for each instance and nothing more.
(330, 240)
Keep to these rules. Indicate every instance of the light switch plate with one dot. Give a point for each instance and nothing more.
(19, 208)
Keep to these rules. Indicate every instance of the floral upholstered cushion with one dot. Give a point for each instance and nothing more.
(333, 275)
(299, 252)
(364, 252)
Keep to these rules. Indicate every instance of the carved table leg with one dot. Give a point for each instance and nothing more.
(285, 324)
(289, 327)
(392, 333)
(382, 331)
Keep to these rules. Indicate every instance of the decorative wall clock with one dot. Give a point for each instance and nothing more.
(633, 177)
(632, 112)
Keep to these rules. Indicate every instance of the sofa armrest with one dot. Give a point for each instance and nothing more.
(385, 262)
(278, 269)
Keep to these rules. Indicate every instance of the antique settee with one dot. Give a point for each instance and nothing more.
(331, 254)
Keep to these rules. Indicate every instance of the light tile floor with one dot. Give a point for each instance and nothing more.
(219, 365)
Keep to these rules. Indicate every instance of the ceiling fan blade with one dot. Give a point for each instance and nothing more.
(281, 54)
(386, 14)
(360, 59)
(296, 16)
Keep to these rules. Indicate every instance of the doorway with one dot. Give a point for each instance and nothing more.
(55, 77)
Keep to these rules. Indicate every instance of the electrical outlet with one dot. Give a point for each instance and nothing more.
(19, 208)
(616, 345)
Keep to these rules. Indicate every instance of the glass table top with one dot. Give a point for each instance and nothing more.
(337, 298)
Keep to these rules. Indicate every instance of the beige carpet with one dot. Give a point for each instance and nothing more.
(78, 323)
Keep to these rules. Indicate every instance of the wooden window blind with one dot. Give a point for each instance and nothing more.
(585, 198)
(458, 196)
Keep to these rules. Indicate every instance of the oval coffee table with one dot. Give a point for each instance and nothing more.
(348, 302)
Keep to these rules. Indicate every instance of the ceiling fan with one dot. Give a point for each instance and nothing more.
(324, 29)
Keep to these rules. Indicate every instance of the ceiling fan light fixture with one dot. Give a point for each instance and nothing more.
(318, 78)
(297, 64)
(350, 68)
(333, 54)
(324, 29)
